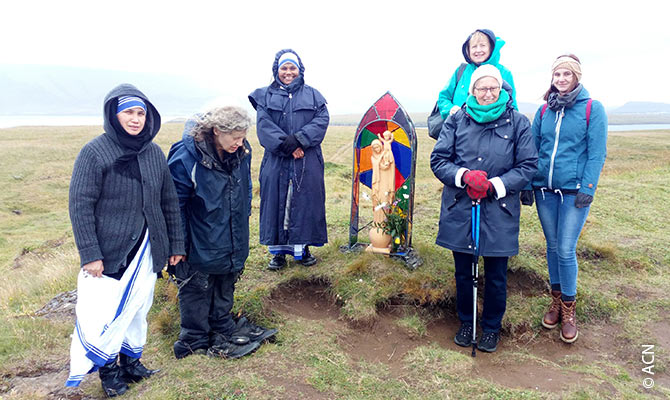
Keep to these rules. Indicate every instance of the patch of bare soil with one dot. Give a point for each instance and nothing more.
(37, 252)
(526, 283)
(42, 382)
(295, 389)
(534, 360)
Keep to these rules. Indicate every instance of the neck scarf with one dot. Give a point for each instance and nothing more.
(557, 101)
(293, 86)
(127, 163)
(487, 113)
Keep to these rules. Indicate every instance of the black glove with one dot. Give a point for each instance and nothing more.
(289, 145)
(527, 197)
(239, 275)
(583, 200)
(171, 269)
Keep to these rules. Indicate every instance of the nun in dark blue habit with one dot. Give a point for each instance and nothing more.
(292, 119)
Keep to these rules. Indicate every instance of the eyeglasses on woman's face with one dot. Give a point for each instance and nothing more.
(484, 89)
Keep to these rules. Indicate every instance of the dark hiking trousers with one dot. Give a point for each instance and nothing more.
(205, 302)
(495, 290)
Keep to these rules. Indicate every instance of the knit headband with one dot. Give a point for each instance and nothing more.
(126, 102)
(569, 63)
(288, 57)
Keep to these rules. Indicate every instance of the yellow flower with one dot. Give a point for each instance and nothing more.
(397, 240)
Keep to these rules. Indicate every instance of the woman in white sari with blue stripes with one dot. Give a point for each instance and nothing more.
(126, 224)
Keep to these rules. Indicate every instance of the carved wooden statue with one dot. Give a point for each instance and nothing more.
(383, 190)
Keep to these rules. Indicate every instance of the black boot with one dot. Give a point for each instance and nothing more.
(255, 333)
(278, 262)
(307, 258)
(132, 369)
(183, 349)
(223, 346)
(112, 382)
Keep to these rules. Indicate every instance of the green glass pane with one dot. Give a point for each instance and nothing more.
(366, 138)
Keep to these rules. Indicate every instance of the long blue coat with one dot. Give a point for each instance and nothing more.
(300, 110)
(503, 148)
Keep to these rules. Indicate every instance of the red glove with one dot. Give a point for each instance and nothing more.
(477, 184)
(476, 180)
(479, 194)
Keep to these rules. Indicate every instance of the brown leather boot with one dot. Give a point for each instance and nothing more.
(569, 331)
(553, 315)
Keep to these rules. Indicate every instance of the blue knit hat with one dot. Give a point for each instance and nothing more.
(288, 57)
(126, 102)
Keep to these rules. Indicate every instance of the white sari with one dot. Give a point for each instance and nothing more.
(111, 315)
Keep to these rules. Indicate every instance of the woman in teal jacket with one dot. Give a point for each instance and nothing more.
(570, 133)
(481, 47)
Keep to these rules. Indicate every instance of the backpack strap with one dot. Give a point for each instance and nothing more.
(544, 108)
(459, 73)
(588, 111)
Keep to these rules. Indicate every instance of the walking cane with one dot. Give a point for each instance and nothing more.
(475, 270)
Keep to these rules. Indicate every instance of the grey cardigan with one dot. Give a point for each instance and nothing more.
(108, 209)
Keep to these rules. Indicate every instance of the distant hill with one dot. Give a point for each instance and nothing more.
(55, 90)
(642, 107)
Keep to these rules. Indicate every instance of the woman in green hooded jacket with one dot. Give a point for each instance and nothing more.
(482, 47)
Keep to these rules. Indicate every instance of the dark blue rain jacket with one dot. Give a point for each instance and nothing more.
(283, 110)
(215, 203)
(503, 148)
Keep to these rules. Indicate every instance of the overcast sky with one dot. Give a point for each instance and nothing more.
(353, 51)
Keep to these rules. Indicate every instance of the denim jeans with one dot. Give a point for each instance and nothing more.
(562, 223)
(495, 290)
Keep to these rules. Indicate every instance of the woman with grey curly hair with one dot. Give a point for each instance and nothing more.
(224, 119)
(211, 169)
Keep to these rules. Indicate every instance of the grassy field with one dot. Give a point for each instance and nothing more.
(356, 325)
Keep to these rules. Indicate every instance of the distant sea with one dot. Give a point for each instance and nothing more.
(9, 121)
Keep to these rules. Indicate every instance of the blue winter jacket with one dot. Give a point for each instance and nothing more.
(215, 203)
(300, 110)
(573, 157)
(503, 148)
(456, 91)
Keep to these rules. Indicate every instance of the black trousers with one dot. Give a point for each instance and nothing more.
(495, 290)
(205, 302)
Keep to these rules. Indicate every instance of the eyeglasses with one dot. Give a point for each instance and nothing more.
(493, 90)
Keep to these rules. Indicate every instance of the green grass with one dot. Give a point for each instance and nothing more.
(623, 284)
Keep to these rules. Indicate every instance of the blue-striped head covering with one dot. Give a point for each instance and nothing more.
(126, 102)
(288, 57)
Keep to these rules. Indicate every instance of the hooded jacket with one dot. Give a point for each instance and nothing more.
(109, 209)
(215, 203)
(300, 110)
(503, 148)
(572, 157)
(455, 93)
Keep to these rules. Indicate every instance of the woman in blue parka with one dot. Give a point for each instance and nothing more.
(485, 151)
(292, 119)
(570, 133)
(210, 167)
(482, 47)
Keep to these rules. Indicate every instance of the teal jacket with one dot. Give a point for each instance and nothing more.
(455, 93)
(573, 157)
